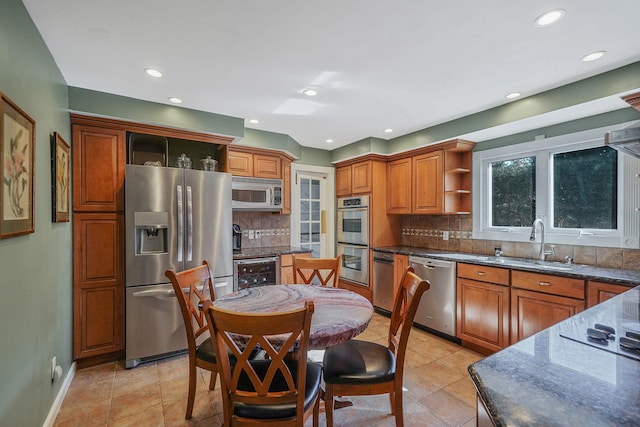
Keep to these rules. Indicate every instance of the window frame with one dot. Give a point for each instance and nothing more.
(627, 232)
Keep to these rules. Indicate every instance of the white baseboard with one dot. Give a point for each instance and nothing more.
(57, 403)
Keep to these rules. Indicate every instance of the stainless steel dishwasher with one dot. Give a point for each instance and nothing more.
(437, 309)
(383, 280)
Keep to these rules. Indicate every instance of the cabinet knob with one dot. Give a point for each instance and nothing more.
(482, 273)
(544, 283)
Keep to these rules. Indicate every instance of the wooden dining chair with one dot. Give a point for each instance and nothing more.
(326, 270)
(278, 390)
(193, 287)
(356, 368)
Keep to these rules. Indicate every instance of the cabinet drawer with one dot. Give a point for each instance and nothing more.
(563, 286)
(484, 273)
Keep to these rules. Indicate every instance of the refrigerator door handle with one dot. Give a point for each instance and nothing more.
(180, 221)
(189, 224)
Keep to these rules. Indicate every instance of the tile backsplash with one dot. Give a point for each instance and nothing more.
(263, 229)
(427, 231)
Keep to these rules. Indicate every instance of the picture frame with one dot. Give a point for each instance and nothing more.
(60, 178)
(17, 149)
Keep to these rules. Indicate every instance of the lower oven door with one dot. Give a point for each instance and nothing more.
(355, 263)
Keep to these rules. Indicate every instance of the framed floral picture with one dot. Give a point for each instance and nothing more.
(17, 144)
(60, 178)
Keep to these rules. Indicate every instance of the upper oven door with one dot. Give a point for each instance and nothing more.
(353, 226)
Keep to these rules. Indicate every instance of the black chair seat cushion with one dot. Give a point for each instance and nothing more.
(312, 388)
(358, 362)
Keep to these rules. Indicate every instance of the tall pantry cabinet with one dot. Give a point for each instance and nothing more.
(99, 158)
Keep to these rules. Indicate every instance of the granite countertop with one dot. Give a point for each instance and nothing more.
(556, 378)
(268, 252)
(620, 276)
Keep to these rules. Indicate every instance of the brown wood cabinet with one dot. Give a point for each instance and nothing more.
(286, 266)
(426, 183)
(598, 292)
(286, 184)
(240, 163)
(98, 284)
(483, 306)
(432, 180)
(267, 166)
(99, 156)
(541, 300)
(399, 186)
(355, 178)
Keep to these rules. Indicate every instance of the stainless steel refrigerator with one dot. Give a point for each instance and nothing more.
(174, 219)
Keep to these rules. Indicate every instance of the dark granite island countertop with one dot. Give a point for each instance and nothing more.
(268, 251)
(549, 379)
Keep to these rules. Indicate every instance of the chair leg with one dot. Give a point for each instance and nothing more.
(328, 404)
(399, 412)
(192, 391)
(212, 380)
(392, 402)
(316, 412)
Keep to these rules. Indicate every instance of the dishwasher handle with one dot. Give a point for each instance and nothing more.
(383, 261)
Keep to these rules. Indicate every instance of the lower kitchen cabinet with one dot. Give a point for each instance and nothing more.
(532, 312)
(98, 284)
(286, 266)
(598, 292)
(483, 306)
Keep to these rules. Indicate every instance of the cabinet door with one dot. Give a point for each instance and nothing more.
(427, 183)
(98, 284)
(265, 166)
(286, 186)
(532, 312)
(400, 264)
(598, 292)
(343, 181)
(483, 314)
(361, 177)
(99, 157)
(399, 186)
(240, 163)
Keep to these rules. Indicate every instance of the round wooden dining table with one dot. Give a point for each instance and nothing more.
(339, 314)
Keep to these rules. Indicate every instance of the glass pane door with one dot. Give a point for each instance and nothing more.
(311, 215)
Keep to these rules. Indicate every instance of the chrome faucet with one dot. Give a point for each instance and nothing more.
(532, 238)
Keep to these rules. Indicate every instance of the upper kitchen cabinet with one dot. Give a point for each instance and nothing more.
(99, 158)
(355, 178)
(254, 162)
(431, 180)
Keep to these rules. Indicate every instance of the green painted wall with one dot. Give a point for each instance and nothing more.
(36, 269)
(136, 110)
(606, 84)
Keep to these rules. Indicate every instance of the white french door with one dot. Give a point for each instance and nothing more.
(313, 210)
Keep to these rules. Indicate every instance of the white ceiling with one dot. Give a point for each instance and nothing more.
(406, 65)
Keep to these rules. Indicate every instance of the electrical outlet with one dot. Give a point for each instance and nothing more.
(250, 234)
(445, 235)
(258, 233)
(53, 368)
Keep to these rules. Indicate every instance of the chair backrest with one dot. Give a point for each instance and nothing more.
(250, 381)
(404, 311)
(326, 270)
(192, 287)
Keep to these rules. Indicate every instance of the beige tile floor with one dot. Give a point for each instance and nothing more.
(439, 391)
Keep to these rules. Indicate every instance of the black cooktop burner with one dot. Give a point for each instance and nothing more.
(617, 329)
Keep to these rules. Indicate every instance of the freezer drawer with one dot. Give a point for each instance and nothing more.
(154, 325)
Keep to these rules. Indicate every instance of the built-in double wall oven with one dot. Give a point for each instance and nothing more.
(353, 238)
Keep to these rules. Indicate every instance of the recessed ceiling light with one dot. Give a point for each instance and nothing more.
(152, 72)
(593, 56)
(175, 100)
(254, 121)
(329, 141)
(549, 18)
(310, 92)
(513, 95)
(388, 130)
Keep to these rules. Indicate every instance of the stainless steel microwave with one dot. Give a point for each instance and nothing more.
(256, 194)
